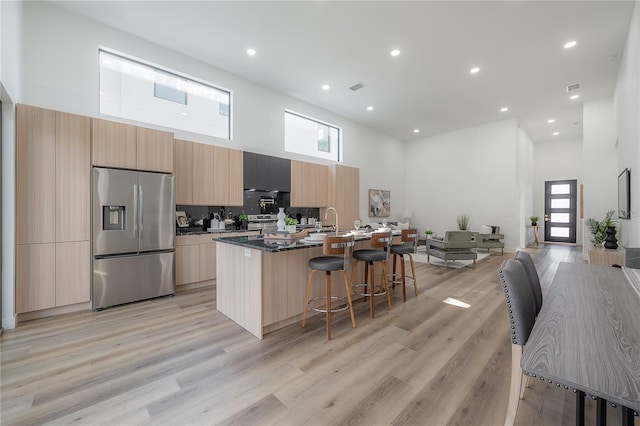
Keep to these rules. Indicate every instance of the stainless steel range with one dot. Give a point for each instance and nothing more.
(262, 222)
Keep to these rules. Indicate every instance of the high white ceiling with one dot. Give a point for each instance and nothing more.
(302, 45)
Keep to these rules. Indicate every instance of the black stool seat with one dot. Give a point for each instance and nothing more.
(327, 263)
(402, 249)
(370, 255)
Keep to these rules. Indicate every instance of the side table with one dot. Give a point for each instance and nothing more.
(606, 257)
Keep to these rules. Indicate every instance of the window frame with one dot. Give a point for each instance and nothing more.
(340, 139)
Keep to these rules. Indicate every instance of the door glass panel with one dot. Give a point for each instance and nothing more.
(559, 232)
(560, 217)
(561, 189)
(560, 203)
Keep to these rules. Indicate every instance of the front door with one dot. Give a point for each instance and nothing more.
(560, 201)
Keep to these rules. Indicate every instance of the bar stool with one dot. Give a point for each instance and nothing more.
(379, 252)
(337, 256)
(408, 247)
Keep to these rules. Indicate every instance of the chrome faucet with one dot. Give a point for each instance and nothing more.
(336, 213)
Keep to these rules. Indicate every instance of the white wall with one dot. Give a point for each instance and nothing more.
(469, 171)
(627, 111)
(61, 73)
(524, 177)
(557, 160)
(10, 59)
(599, 162)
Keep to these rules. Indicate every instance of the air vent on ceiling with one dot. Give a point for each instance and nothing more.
(572, 87)
(356, 86)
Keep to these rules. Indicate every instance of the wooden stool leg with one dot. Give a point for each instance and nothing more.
(306, 300)
(386, 283)
(348, 290)
(413, 274)
(372, 289)
(393, 275)
(404, 279)
(328, 284)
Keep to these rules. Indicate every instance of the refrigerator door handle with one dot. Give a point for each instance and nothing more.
(135, 211)
(141, 210)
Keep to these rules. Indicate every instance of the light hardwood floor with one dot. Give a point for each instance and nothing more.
(177, 361)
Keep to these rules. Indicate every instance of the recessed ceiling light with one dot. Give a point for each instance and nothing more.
(369, 108)
(395, 52)
(574, 97)
(504, 109)
(416, 130)
(570, 44)
(474, 70)
(183, 113)
(325, 87)
(556, 133)
(251, 52)
(551, 120)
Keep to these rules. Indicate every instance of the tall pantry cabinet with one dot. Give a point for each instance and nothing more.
(52, 209)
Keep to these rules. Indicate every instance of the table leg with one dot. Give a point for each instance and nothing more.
(627, 416)
(579, 408)
(601, 412)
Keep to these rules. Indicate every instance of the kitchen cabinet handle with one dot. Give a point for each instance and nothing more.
(141, 210)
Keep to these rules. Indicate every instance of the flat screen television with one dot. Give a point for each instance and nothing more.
(624, 194)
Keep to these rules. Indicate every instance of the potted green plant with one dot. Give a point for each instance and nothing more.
(290, 223)
(598, 229)
(244, 221)
(534, 220)
(463, 221)
(429, 233)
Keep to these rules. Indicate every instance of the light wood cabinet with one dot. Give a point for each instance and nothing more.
(183, 171)
(308, 184)
(53, 209)
(208, 175)
(207, 267)
(154, 150)
(203, 182)
(343, 195)
(73, 178)
(236, 178)
(187, 263)
(35, 277)
(220, 176)
(113, 144)
(73, 269)
(131, 147)
(35, 175)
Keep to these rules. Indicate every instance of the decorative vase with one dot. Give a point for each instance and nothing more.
(611, 242)
(280, 217)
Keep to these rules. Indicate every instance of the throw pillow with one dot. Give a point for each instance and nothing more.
(486, 229)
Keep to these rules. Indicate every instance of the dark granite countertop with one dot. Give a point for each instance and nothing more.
(257, 242)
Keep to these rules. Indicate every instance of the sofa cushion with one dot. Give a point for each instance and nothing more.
(486, 229)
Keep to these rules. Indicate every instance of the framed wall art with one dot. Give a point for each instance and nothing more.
(379, 203)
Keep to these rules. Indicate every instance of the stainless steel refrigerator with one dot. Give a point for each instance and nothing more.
(133, 216)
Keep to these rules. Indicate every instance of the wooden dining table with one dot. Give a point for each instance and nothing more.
(586, 337)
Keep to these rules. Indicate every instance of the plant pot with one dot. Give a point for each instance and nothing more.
(534, 223)
(291, 229)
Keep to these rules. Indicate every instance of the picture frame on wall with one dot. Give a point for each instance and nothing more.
(379, 203)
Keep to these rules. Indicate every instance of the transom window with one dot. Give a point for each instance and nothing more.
(308, 136)
(132, 89)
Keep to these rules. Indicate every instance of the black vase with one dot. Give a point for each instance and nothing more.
(611, 242)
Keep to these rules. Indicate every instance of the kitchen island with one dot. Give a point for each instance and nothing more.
(261, 283)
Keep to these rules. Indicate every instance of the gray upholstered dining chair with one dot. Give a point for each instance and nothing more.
(532, 274)
(337, 257)
(522, 313)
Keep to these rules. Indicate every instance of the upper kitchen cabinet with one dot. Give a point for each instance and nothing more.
(267, 173)
(208, 175)
(131, 147)
(344, 194)
(114, 144)
(73, 178)
(309, 183)
(183, 170)
(35, 175)
(154, 150)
